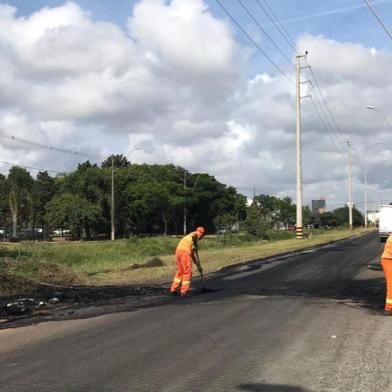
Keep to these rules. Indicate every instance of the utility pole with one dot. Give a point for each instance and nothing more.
(184, 202)
(366, 219)
(374, 206)
(112, 203)
(299, 221)
(350, 204)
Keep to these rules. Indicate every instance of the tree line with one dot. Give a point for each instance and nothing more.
(269, 212)
(148, 199)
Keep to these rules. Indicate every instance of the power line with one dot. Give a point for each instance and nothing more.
(330, 116)
(326, 127)
(330, 122)
(331, 119)
(327, 122)
(263, 30)
(32, 168)
(253, 41)
(47, 147)
(373, 11)
(277, 24)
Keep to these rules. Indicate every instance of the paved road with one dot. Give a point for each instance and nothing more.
(312, 322)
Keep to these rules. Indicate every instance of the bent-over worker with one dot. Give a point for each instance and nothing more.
(386, 262)
(184, 255)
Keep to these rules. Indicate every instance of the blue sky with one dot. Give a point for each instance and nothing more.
(354, 25)
(343, 20)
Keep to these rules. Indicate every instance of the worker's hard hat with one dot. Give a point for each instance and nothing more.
(200, 230)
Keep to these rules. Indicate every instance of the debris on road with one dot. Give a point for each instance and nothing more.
(48, 301)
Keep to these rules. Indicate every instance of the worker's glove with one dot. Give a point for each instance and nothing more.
(200, 269)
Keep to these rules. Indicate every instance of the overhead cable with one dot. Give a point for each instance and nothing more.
(277, 24)
(264, 32)
(32, 168)
(326, 127)
(330, 118)
(47, 147)
(382, 24)
(253, 41)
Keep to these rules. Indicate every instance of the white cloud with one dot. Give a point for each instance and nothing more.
(175, 83)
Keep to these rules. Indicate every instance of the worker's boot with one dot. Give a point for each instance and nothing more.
(174, 293)
(388, 312)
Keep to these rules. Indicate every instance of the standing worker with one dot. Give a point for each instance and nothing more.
(386, 262)
(184, 255)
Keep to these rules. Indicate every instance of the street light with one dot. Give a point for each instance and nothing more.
(381, 114)
(112, 196)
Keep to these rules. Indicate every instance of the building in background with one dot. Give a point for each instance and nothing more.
(319, 206)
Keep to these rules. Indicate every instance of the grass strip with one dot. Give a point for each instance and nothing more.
(133, 261)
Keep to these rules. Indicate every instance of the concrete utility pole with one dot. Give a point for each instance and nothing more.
(374, 207)
(184, 203)
(299, 221)
(366, 219)
(350, 204)
(365, 198)
(112, 203)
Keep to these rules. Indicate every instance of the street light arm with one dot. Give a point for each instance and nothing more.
(381, 114)
(128, 156)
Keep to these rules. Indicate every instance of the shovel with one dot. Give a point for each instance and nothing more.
(204, 288)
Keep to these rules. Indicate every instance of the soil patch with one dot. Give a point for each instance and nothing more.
(154, 262)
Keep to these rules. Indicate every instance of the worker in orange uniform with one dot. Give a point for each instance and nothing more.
(386, 262)
(184, 255)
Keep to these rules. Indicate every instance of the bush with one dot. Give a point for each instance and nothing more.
(256, 225)
(225, 223)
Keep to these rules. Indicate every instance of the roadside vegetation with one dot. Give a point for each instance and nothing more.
(135, 260)
(150, 201)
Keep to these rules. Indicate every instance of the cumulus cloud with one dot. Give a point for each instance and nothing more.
(176, 83)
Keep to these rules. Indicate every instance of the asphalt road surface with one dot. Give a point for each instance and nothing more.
(309, 322)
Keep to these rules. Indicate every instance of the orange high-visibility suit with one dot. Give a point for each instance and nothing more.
(386, 262)
(184, 253)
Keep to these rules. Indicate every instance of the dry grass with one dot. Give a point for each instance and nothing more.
(214, 259)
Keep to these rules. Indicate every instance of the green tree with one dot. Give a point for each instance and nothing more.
(307, 216)
(255, 224)
(209, 198)
(91, 183)
(342, 217)
(119, 161)
(4, 202)
(20, 184)
(328, 219)
(44, 188)
(154, 201)
(225, 222)
(276, 210)
(71, 212)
